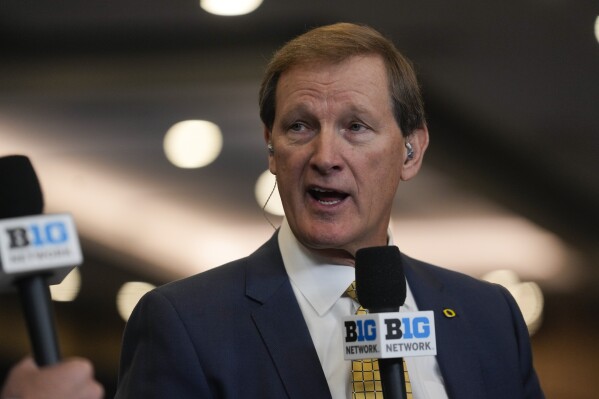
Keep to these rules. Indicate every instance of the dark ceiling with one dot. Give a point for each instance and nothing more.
(511, 90)
(511, 87)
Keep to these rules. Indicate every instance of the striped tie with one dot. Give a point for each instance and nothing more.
(366, 380)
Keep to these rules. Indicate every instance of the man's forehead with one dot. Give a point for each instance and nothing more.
(337, 80)
(315, 64)
(371, 71)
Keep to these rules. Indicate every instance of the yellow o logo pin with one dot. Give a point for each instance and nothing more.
(449, 313)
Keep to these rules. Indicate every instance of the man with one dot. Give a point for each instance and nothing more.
(344, 124)
(69, 379)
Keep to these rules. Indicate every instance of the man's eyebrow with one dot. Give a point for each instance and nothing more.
(359, 109)
(303, 111)
(300, 110)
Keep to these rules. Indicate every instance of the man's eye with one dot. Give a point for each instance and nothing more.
(356, 127)
(296, 127)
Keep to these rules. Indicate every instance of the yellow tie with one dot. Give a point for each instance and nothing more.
(365, 377)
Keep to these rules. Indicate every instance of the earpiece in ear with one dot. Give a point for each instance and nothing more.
(271, 150)
(410, 151)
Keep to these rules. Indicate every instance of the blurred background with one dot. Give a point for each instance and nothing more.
(509, 190)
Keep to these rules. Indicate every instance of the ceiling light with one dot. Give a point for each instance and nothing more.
(479, 244)
(68, 289)
(266, 193)
(230, 7)
(128, 296)
(597, 28)
(193, 143)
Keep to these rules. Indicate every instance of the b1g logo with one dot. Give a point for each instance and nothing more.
(417, 327)
(384, 335)
(38, 242)
(365, 330)
(37, 235)
(360, 330)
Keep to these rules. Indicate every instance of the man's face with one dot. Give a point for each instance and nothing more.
(338, 153)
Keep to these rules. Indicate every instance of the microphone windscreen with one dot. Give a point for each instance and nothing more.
(380, 280)
(20, 192)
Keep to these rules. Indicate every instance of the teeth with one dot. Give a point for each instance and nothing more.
(329, 197)
(320, 190)
(329, 202)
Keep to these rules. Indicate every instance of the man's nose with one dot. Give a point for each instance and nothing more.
(326, 152)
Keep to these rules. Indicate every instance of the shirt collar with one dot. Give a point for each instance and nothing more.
(320, 282)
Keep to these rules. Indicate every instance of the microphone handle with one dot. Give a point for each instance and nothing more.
(392, 378)
(37, 307)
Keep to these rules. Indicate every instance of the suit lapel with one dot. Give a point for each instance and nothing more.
(456, 354)
(283, 329)
(282, 326)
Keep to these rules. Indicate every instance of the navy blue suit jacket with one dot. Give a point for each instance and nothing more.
(236, 331)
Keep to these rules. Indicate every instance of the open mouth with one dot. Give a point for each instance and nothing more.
(327, 197)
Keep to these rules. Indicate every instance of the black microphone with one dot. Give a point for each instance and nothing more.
(381, 288)
(35, 250)
(20, 192)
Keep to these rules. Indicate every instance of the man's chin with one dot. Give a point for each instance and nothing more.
(326, 240)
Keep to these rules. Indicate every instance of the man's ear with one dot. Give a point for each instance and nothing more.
(416, 144)
(272, 165)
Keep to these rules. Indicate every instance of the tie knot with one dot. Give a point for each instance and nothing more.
(351, 291)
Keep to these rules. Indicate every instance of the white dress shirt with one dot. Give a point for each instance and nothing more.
(319, 287)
